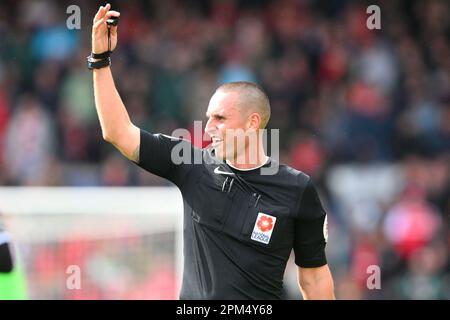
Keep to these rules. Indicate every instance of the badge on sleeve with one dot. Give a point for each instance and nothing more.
(262, 231)
(325, 229)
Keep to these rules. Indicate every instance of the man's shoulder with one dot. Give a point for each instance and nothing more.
(290, 174)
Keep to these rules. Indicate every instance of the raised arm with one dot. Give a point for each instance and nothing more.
(116, 125)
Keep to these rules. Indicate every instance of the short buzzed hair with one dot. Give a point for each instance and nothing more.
(252, 97)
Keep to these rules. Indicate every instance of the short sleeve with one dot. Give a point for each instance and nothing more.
(310, 230)
(165, 156)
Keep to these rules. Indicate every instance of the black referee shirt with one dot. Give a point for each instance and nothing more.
(239, 226)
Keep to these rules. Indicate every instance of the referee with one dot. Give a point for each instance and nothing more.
(240, 225)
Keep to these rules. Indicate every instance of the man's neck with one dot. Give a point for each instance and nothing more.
(245, 162)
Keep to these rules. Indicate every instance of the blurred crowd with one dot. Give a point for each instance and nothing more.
(131, 267)
(341, 95)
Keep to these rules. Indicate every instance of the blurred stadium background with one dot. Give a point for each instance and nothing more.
(365, 112)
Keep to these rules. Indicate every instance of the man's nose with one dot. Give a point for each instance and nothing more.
(210, 126)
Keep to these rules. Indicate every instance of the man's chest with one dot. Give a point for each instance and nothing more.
(255, 210)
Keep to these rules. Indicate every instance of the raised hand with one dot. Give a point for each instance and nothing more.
(100, 30)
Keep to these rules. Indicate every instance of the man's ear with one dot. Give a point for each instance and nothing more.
(254, 121)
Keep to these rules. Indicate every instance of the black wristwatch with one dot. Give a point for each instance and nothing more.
(105, 60)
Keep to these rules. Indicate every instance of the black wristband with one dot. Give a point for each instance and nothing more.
(92, 64)
(102, 55)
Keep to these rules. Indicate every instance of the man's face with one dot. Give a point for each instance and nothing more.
(226, 125)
